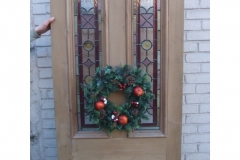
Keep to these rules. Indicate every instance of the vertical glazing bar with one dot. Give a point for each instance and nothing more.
(138, 34)
(96, 33)
(155, 54)
(80, 62)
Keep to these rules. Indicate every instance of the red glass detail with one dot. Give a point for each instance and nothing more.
(80, 62)
(146, 62)
(88, 63)
(138, 36)
(155, 61)
(96, 33)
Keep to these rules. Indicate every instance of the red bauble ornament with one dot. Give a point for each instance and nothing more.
(122, 119)
(99, 105)
(138, 91)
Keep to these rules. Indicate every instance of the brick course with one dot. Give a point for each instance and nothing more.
(198, 14)
(198, 156)
(197, 118)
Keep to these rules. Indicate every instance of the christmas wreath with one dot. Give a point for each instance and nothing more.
(130, 80)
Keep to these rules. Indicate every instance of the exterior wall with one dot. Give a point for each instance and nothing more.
(196, 87)
(196, 84)
(43, 130)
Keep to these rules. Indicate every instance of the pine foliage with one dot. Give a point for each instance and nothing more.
(105, 82)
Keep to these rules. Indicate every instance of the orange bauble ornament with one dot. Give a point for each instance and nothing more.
(138, 91)
(122, 119)
(99, 105)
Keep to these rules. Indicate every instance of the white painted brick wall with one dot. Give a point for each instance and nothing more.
(197, 14)
(50, 143)
(196, 104)
(203, 88)
(43, 52)
(49, 123)
(41, 11)
(198, 35)
(206, 25)
(204, 108)
(45, 83)
(197, 118)
(197, 78)
(43, 41)
(191, 4)
(48, 114)
(198, 156)
(47, 93)
(196, 138)
(197, 57)
(39, 19)
(51, 152)
(190, 108)
(51, 158)
(45, 73)
(204, 3)
(196, 87)
(189, 148)
(46, 104)
(197, 98)
(44, 62)
(189, 129)
(204, 47)
(192, 67)
(192, 25)
(190, 47)
(204, 128)
(49, 133)
(204, 147)
(40, 1)
(205, 67)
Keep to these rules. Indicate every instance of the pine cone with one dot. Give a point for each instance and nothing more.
(101, 116)
(102, 72)
(102, 113)
(130, 80)
(135, 112)
(113, 81)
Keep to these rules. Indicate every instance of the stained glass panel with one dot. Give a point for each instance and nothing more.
(88, 52)
(146, 24)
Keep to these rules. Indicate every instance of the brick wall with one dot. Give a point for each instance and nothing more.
(45, 146)
(196, 87)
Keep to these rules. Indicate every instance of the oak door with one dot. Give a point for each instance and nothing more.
(117, 41)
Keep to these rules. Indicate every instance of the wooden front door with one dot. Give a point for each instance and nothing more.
(117, 48)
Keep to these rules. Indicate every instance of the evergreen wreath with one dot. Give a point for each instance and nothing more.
(130, 80)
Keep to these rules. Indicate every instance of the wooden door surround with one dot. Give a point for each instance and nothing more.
(164, 144)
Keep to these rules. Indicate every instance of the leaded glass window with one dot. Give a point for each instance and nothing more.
(147, 53)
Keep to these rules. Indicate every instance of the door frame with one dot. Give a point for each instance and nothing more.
(64, 83)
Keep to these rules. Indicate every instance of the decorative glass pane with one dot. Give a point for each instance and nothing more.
(87, 15)
(146, 24)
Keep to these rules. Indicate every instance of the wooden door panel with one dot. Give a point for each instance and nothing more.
(119, 149)
(116, 32)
